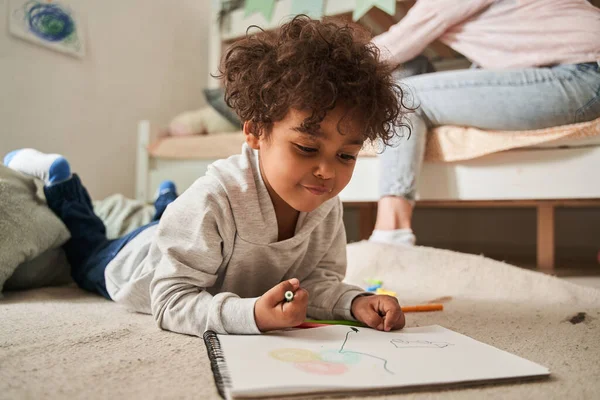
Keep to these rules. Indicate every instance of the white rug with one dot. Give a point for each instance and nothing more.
(62, 343)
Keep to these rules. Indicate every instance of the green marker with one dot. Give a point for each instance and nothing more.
(335, 322)
(289, 296)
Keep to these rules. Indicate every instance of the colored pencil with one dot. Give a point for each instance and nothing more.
(423, 307)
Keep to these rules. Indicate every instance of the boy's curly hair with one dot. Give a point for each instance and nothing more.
(311, 65)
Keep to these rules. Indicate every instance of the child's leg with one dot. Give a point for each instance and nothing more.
(89, 251)
(167, 193)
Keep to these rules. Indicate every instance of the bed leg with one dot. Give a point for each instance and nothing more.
(545, 238)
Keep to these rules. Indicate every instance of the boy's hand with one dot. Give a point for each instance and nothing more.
(271, 311)
(379, 312)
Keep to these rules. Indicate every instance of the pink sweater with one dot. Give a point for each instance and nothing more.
(499, 33)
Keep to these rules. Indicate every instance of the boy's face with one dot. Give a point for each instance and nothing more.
(304, 169)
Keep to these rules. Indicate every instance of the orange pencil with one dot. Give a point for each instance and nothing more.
(423, 307)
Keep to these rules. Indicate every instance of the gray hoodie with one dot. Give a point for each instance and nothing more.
(215, 251)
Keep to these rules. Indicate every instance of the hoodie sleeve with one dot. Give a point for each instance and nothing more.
(194, 238)
(426, 21)
(329, 297)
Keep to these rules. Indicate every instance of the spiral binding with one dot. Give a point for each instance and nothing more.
(217, 363)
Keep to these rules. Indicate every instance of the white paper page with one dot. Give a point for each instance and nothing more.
(342, 358)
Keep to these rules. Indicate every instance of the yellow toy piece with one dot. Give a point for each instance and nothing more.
(385, 292)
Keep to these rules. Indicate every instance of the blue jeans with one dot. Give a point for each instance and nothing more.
(89, 250)
(518, 99)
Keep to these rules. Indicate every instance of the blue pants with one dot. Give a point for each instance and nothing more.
(89, 250)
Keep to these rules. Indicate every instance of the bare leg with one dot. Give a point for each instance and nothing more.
(394, 212)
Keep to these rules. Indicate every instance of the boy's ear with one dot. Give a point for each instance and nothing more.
(251, 139)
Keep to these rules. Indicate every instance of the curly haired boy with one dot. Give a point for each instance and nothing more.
(223, 254)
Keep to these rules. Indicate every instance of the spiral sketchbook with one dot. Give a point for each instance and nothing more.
(347, 360)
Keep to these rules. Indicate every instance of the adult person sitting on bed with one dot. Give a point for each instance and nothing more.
(537, 67)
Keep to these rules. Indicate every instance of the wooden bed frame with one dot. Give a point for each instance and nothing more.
(541, 178)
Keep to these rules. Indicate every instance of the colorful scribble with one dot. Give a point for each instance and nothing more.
(334, 356)
(47, 23)
(322, 368)
(385, 362)
(327, 362)
(294, 355)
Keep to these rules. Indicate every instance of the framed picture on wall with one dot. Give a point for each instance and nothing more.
(52, 24)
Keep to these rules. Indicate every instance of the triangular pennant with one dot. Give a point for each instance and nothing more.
(265, 7)
(363, 6)
(312, 8)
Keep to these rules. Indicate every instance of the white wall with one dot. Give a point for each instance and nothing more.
(144, 59)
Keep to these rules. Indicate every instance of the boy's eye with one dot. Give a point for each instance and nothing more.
(347, 157)
(305, 149)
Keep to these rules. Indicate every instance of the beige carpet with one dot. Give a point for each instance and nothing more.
(64, 343)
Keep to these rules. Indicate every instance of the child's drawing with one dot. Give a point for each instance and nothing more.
(338, 361)
(326, 362)
(47, 23)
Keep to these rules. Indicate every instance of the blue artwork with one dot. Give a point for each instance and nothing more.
(47, 23)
